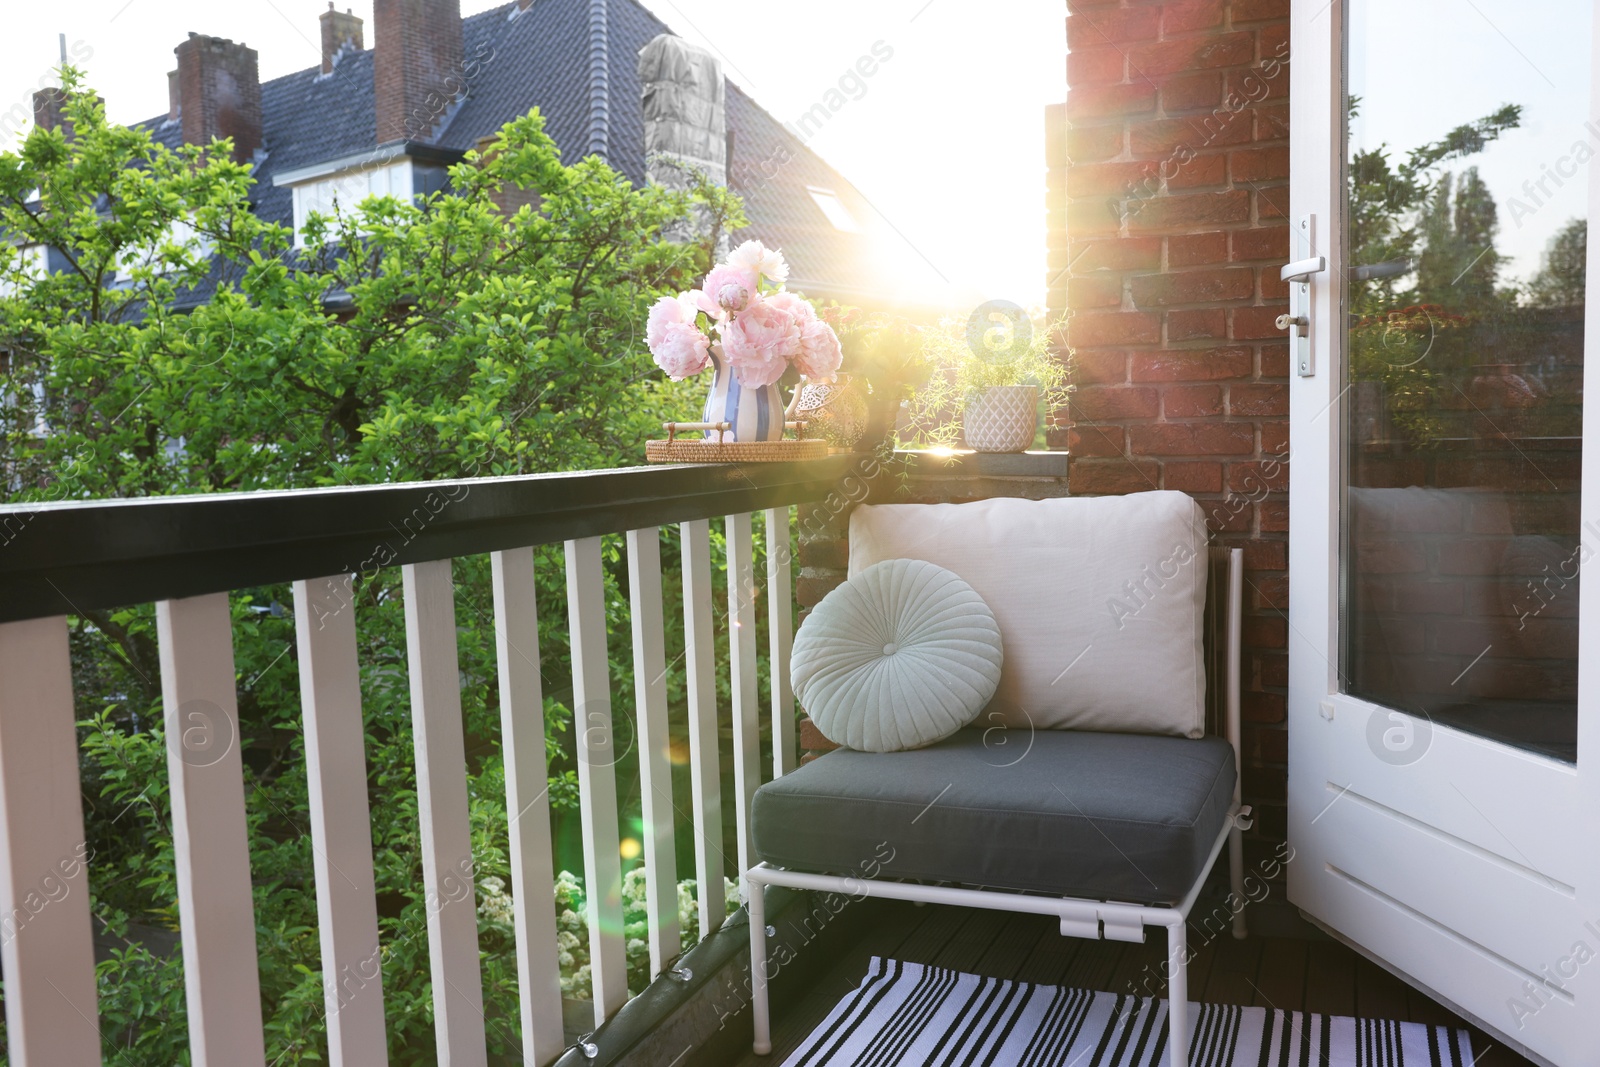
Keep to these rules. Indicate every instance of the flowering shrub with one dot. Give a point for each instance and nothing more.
(572, 927)
(742, 306)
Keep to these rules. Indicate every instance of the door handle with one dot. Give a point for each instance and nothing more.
(1301, 270)
(1391, 268)
(1297, 275)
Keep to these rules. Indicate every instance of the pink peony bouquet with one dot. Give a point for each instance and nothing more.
(743, 309)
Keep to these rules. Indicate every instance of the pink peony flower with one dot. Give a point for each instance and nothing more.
(678, 345)
(768, 262)
(682, 350)
(799, 307)
(723, 275)
(701, 300)
(820, 351)
(759, 342)
(733, 298)
(663, 313)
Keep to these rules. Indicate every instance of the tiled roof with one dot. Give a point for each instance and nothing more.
(541, 57)
(772, 172)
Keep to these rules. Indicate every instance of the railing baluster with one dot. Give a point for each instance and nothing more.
(341, 825)
(516, 631)
(45, 944)
(597, 779)
(216, 913)
(780, 632)
(447, 869)
(705, 760)
(742, 675)
(655, 769)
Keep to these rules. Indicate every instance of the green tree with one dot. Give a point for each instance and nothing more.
(1428, 237)
(1389, 204)
(1458, 265)
(177, 343)
(1563, 279)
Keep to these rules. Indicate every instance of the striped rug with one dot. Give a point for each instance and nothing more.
(911, 1014)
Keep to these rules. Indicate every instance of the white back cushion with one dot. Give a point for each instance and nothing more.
(1099, 601)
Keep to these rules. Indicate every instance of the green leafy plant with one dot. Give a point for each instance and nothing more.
(181, 344)
(967, 357)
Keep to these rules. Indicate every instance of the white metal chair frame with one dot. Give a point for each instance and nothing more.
(1079, 917)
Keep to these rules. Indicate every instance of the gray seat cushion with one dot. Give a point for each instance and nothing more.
(1129, 817)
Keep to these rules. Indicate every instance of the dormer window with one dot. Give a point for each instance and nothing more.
(341, 184)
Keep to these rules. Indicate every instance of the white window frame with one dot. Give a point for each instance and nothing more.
(345, 189)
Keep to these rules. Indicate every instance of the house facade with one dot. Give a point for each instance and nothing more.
(389, 115)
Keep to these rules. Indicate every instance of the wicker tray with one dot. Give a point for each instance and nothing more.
(698, 450)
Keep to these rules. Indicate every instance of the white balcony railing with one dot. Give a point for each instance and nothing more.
(186, 554)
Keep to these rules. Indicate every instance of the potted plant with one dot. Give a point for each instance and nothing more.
(748, 330)
(989, 375)
(887, 361)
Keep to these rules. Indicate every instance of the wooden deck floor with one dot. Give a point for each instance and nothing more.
(1291, 974)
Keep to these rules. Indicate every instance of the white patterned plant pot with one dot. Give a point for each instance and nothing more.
(1002, 418)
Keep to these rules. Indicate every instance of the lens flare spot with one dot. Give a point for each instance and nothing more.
(631, 848)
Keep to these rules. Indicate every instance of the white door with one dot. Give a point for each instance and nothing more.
(1444, 705)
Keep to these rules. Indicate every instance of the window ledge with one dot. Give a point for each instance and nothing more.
(961, 463)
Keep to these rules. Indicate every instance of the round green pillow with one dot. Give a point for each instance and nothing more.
(900, 656)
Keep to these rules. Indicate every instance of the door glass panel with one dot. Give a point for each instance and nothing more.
(1467, 148)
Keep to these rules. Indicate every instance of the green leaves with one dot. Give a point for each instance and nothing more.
(179, 344)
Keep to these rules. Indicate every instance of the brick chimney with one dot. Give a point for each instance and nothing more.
(337, 32)
(50, 110)
(682, 97)
(49, 106)
(418, 66)
(219, 93)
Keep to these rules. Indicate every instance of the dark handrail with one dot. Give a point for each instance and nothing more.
(70, 557)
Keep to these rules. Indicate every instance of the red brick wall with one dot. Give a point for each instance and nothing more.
(417, 65)
(1168, 187)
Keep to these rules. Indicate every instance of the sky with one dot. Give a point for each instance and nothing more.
(947, 142)
(1424, 67)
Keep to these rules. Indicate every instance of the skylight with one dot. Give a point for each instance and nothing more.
(834, 209)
